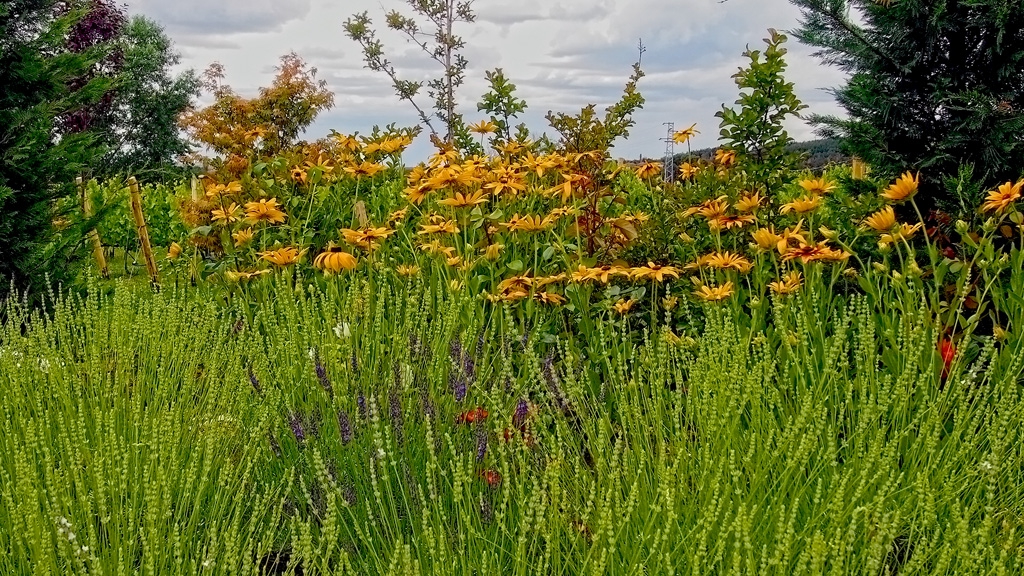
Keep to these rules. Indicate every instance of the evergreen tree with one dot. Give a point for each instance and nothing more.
(933, 85)
(43, 87)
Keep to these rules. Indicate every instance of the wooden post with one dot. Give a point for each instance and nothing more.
(93, 234)
(135, 197)
(859, 169)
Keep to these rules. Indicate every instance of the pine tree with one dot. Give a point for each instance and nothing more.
(44, 86)
(933, 85)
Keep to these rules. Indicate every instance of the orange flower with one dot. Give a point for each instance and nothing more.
(440, 227)
(408, 270)
(725, 157)
(903, 189)
(528, 223)
(366, 238)
(882, 221)
(683, 136)
(648, 170)
(687, 170)
(369, 169)
(999, 200)
(765, 239)
(460, 200)
(477, 414)
(550, 298)
(802, 205)
(817, 186)
(654, 271)
(264, 211)
(725, 260)
(749, 202)
(789, 283)
(226, 216)
(623, 305)
(333, 260)
(283, 256)
(715, 293)
(243, 237)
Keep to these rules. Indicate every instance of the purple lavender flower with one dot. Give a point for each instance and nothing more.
(481, 441)
(345, 425)
(255, 382)
(520, 413)
(468, 367)
(355, 364)
(395, 406)
(486, 511)
(455, 351)
(321, 375)
(458, 386)
(295, 423)
(364, 412)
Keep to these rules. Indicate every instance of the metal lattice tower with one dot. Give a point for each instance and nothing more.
(668, 165)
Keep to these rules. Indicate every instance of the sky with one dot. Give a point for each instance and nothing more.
(560, 54)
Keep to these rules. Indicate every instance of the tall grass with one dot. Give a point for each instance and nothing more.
(325, 433)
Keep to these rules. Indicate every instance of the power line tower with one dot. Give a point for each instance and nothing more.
(668, 165)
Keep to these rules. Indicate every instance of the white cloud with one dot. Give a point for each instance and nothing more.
(562, 56)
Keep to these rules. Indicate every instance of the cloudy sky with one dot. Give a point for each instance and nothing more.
(561, 54)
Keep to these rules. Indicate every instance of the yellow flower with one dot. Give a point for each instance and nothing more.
(710, 209)
(749, 202)
(903, 232)
(492, 251)
(881, 221)
(233, 276)
(398, 215)
(601, 273)
(364, 169)
(227, 215)
(683, 136)
(299, 175)
(654, 271)
(802, 205)
(648, 170)
(550, 298)
(366, 238)
(243, 237)
(283, 256)
(264, 211)
(715, 293)
(505, 178)
(811, 252)
(408, 270)
(417, 192)
(687, 170)
(483, 127)
(333, 260)
(789, 283)
(623, 305)
(999, 200)
(173, 251)
(460, 200)
(436, 247)
(215, 190)
(725, 157)
(441, 227)
(528, 223)
(765, 239)
(817, 186)
(730, 222)
(725, 260)
(903, 189)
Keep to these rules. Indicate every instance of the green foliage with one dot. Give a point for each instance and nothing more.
(755, 131)
(36, 166)
(932, 86)
(502, 105)
(325, 431)
(145, 139)
(587, 132)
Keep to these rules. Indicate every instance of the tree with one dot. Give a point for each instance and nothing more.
(440, 44)
(239, 129)
(144, 135)
(755, 130)
(42, 85)
(933, 84)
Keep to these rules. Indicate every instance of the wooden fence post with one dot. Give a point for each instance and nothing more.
(93, 234)
(135, 197)
(859, 169)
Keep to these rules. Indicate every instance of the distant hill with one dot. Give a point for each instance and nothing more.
(817, 153)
